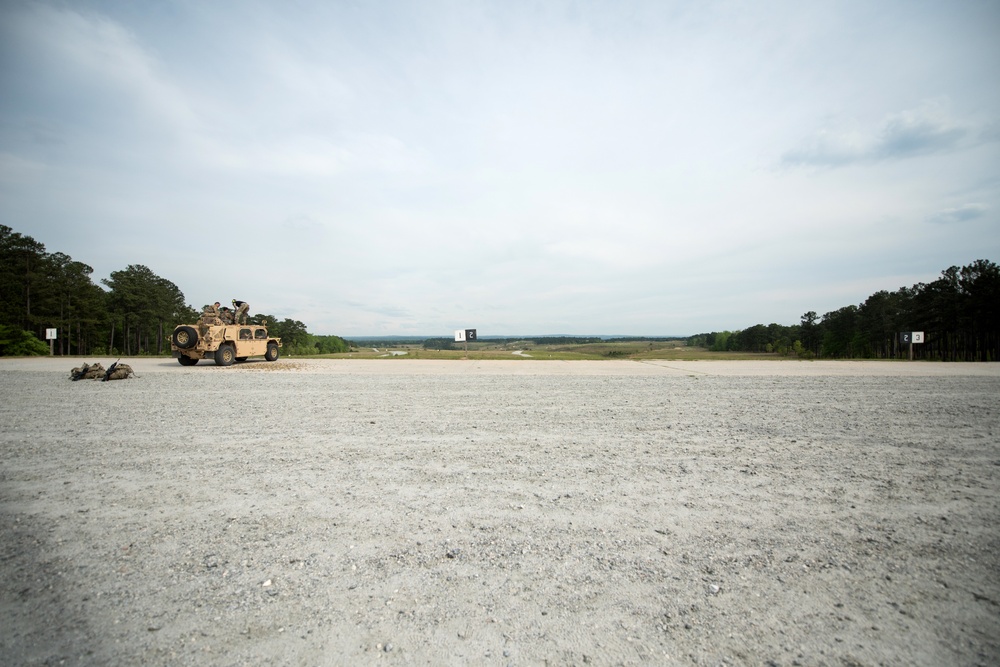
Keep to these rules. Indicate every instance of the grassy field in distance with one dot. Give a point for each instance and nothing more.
(638, 350)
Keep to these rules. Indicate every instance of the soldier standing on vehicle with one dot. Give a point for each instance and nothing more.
(212, 314)
(242, 308)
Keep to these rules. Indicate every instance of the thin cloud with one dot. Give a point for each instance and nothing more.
(303, 223)
(918, 132)
(383, 309)
(98, 60)
(959, 214)
(928, 129)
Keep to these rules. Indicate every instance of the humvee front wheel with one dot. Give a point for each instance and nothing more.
(225, 355)
(272, 352)
(185, 337)
(186, 361)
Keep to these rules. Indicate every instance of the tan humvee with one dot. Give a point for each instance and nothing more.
(225, 343)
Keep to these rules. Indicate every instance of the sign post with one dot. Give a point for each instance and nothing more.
(911, 337)
(50, 335)
(464, 336)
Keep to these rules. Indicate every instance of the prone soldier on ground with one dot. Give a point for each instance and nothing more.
(87, 372)
(95, 371)
(118, 371)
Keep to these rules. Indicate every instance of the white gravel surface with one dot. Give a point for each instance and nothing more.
(409, 512)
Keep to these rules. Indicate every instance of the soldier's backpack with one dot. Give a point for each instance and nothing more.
(87, 372)
(117, 371)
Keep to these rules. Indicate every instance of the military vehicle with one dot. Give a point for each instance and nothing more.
(226, 343)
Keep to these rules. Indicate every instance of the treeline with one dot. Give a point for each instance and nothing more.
(388, 341)
(295, 339)
(314, 344)
(959, 314)
(133, 313)
(643, 339)
(449, 343)
(40, 290)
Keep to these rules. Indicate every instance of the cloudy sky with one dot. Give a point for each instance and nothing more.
(519, 167)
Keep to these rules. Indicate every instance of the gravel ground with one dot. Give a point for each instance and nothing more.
(407, 512)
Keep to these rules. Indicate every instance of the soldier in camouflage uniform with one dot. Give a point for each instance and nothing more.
(242, 308)
(118, 372)
(212, 315)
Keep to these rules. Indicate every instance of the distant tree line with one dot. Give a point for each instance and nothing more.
(439, 344)
(959, 314)
(387, 341)
(643, 339)
(133, 314)
(449, 343)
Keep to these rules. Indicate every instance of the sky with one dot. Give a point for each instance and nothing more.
(413, 168)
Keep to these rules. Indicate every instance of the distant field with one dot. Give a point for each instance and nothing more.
(670, 349)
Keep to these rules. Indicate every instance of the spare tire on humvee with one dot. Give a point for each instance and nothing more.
(225, 343)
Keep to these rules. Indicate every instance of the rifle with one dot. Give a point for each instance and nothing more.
(80, 373)
(111, 369)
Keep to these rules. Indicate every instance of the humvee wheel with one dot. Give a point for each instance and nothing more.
(225, 355)
(185, 337)
(272, 352)
(186, 361)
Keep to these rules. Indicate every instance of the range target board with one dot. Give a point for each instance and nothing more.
(464, 335)
(908, 338)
